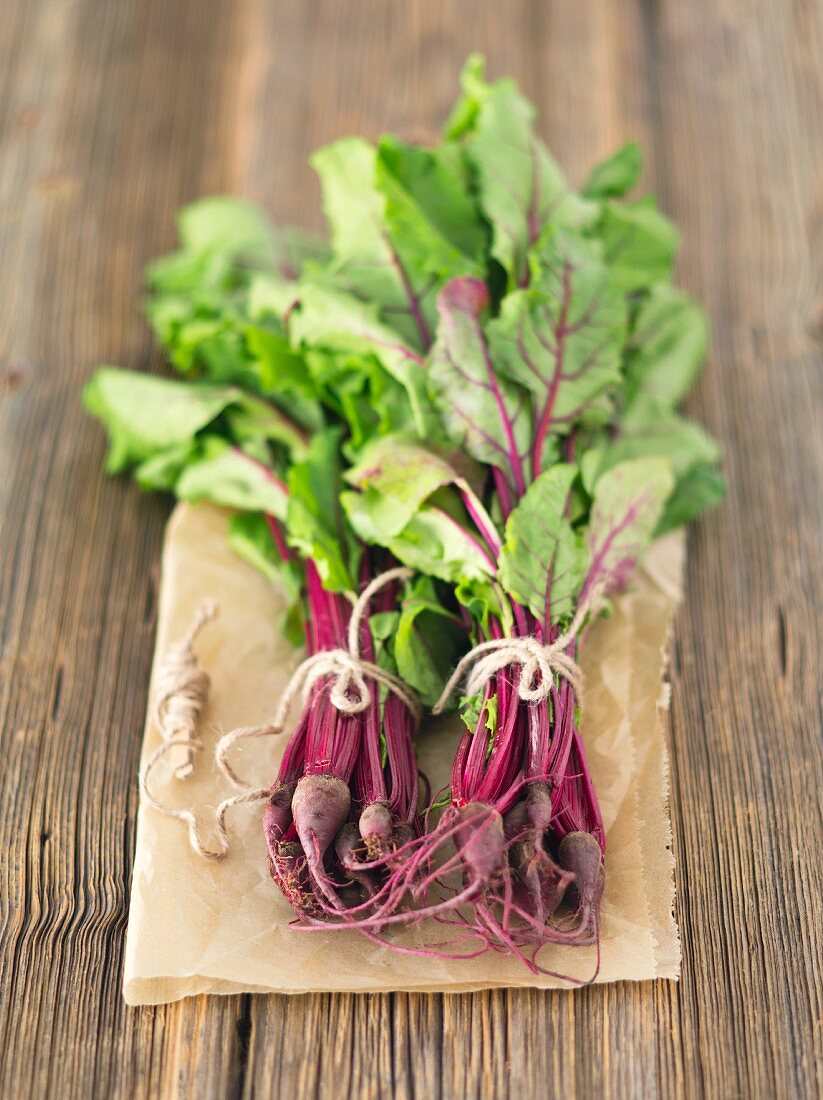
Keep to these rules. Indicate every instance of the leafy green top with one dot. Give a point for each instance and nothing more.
(479, 372)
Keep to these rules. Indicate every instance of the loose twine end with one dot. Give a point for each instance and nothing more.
(180, 695)
(181, 691)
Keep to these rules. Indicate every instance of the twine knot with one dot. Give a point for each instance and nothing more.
(538, 661)
(349, 691)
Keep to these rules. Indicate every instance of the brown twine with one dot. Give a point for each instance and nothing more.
(180, 696)
(182, 690)
(538, 661)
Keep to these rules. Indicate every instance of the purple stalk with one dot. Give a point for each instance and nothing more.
(544, 423)
(480, 517)
(414, 302)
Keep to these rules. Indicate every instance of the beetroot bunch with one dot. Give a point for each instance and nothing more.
(346, 794)
(476, 378)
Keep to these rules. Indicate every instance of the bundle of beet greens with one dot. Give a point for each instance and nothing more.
(477, 379)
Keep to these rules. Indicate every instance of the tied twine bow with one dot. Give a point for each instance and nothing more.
(538, 661)
(349, 693)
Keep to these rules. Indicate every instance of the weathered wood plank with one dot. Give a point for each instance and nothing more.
(113, 115)
(739, 158)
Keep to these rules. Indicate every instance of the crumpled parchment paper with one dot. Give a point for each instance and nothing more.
(205, 927)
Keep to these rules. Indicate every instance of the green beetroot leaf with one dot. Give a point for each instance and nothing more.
(200, 335)
(186, 438)
(663, 356)
(402, 504)
(250, 538)
(254, 423)
(483, 412)
(702, 487)
(437, 543)
(639, 243)
(520, 186)
(543, 561)
(650, 426)
(226, 224)
(315, 523)
(396, 475)
(196, 301)
(224, 475)
(222, 238)
(400, 226)
(475, 707)
(214, 233)
(269, 298)
(338, 323)
(561, 339)
(432, 221)
(616, 175)
(627, 506)
(283, 372)
(486, 602)
(359, 393)
(667, 345)
(203, 297)
(144, 415)
(441, 219)
(348, 366)
(160, 472)
(364, 257)
(425, 639)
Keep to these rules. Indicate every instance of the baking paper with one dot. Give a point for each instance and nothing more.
(205, 927)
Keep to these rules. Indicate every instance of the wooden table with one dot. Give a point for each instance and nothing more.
(114, 113)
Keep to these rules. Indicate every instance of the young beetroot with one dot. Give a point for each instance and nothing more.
(338, 811)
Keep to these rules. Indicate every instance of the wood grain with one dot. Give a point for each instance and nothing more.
(111, 115)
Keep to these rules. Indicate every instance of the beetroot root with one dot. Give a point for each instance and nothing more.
(580, 853)
(320, 807)
(377, 830)
(481, 842)
(277, 814)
